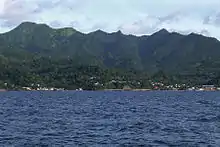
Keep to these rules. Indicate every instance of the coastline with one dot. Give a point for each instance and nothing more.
(116, 90)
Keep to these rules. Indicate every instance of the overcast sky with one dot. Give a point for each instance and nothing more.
(130, 16)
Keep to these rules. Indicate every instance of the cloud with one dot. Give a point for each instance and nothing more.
(184, 23)
(16, 11)
(131, 16)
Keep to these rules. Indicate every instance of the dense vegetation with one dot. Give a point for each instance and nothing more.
(47, 72)
(34, 54)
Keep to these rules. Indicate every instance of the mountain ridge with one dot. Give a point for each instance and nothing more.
(26, 23)
(163, 50)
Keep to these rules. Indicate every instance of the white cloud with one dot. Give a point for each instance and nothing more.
(131, 16)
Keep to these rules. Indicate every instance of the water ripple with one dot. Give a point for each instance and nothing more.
(72, 118)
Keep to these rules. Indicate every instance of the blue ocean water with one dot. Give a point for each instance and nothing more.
(56, 119)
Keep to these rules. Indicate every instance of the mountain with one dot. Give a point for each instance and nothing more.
(171, 52)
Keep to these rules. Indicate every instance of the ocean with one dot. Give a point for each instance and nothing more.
(86, 118)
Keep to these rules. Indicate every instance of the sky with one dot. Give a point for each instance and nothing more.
(137, 17)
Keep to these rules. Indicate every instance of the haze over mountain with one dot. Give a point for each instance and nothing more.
(137, 17)
(166, 51)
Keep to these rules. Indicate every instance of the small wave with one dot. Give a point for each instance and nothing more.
(204, 102)
(209, 119)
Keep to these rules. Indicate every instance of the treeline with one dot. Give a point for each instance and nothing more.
(48, 72)
(64, 73)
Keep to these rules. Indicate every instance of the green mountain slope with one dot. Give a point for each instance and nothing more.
(171, 52)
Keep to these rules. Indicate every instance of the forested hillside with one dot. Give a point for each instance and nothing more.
(36, 52)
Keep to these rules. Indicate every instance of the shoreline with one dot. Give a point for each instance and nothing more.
(112, 90)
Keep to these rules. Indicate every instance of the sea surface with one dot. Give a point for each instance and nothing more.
(71, 118)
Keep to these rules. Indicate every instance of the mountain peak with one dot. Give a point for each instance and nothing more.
(119, 32)
(31, 25)
(26, 25)
(99, 32)
(162, 31)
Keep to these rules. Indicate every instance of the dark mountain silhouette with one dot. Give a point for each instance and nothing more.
(162, 50)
